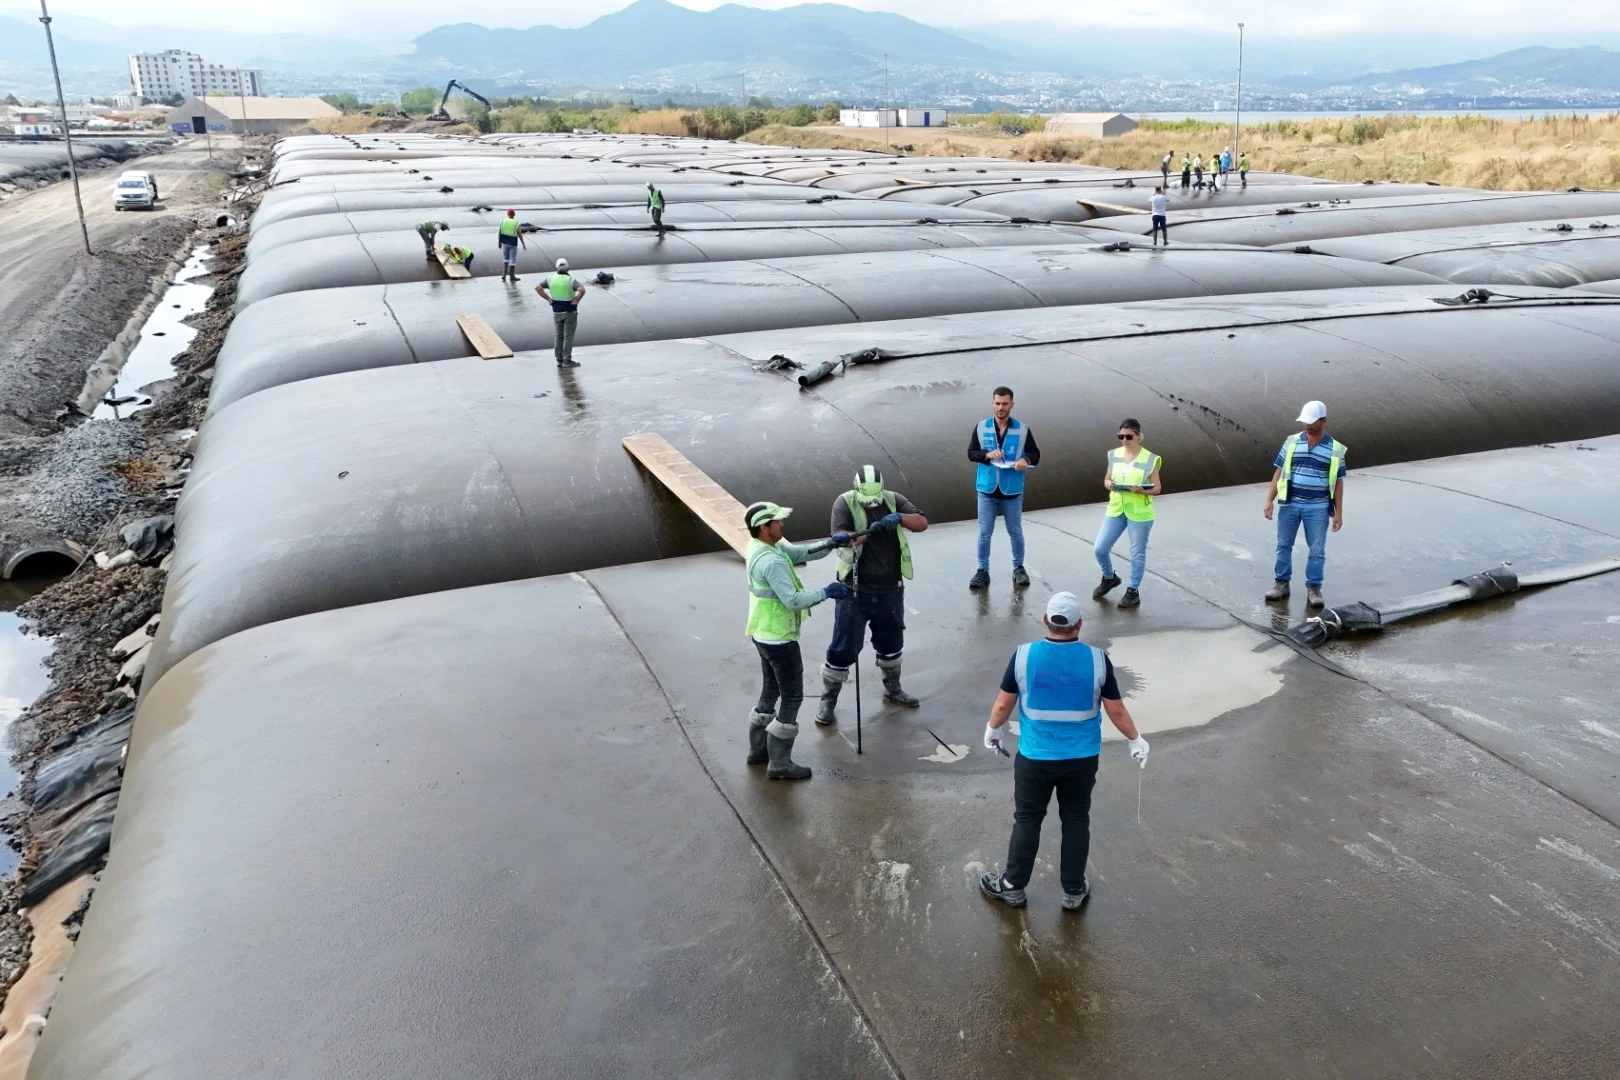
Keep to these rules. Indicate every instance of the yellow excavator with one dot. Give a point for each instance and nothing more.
(441, 113)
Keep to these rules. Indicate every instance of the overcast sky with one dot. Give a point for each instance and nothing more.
(387, 21)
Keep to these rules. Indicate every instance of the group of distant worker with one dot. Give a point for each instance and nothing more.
(1057, 688)
(1192, 170)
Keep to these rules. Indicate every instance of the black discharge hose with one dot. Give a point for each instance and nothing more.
(1361, 616)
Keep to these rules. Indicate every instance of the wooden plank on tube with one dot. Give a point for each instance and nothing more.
(713, 504)
(483, 337)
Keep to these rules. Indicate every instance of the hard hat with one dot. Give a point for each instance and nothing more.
(869, 485)
(562, 264)
(649, 183)
(510, 212)
(759, 513)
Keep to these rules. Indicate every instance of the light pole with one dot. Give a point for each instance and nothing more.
(883, 116)
(1237, 125)
(67, 136)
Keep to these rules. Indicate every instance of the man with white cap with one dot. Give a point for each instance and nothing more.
(1309, 483)
(777, 604)
(1060, 687)
(564, 292)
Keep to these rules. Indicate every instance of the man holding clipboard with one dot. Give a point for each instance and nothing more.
(1003, 449)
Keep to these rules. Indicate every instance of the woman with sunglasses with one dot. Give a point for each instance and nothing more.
(1132, 480)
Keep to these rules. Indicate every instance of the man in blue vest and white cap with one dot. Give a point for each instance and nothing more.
(1309, 483)
(1003, 448)
(1060, 687)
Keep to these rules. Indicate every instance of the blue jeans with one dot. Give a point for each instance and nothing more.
(1109, 534)
(885, 613)
(1013, 510)
(1314, 516)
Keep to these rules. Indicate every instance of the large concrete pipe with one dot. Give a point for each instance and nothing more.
(372, 485)
(1303, 224)
(503, 174)
(302, 335)
(1551, 253)
(396, 257)
(813, 209)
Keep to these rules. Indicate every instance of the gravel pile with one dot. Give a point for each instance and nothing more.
(75, 484)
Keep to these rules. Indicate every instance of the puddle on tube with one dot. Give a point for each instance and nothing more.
(163, 337)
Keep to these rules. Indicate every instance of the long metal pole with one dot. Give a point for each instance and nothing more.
(882, 114)
(241, 98)
(67, 137)
(1237, 126)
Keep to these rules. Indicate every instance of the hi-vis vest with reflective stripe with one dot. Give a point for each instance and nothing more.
(1007, 481)
(1059, 699)
(1338, 450)
(857, 513)
(768, 618)
(1138, 473)
(509, 227)
(460, 254)
(655, 199)
(561, 288)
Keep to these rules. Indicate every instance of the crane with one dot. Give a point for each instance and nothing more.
(441, 114)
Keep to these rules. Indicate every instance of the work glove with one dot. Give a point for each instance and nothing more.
(837, 590)
(993, 737)
(1139, 751)
(886, 523)
(840, 539)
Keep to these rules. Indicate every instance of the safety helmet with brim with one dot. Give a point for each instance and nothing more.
(761, 513)
(869, 485)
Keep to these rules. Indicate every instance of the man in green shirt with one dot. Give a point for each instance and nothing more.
(427, 231)
(655, 204)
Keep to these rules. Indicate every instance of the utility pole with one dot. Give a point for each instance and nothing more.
(1237, 126)
(883, 115)
(67, 136)
(242, 99)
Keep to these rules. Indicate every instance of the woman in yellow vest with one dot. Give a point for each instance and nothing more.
(1132, 480)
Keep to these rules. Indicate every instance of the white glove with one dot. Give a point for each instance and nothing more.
(993, 737)
(1139, 751)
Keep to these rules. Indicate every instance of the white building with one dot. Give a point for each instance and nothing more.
(888, 118)
(175, 71)
(30, 120)
(1097, 125)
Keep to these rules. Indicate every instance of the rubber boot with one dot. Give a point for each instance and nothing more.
(757, 753)
(780, 751)
(892, 693)
(830, 686)
(1279, 591)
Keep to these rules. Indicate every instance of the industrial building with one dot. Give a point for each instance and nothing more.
(1094, 124)
(886, 118)
(438, 768)
(175, 71)
(32, 120)
(248, 115)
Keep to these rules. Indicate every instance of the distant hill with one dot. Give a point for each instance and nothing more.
(1535, 67)
(828, 41)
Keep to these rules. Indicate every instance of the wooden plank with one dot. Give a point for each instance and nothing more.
(713, 504)
(483, 337)
(1115, 207)
(451, 267)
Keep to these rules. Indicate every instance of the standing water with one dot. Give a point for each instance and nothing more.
(22, 679)
(163, 337)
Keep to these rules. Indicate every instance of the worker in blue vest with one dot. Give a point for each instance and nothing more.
(1003, 449)
(1309, 483)
(878, 566)
(1060, 688)
(511, 235)
(564, 292)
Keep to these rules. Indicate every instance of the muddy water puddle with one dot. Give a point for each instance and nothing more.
(22, 679)
(163, 337)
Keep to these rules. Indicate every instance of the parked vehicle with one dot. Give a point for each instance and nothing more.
(135, 190)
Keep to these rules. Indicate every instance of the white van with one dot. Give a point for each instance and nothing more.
(135, 190)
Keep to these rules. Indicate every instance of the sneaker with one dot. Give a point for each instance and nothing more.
(996, 889)
(1279, 591)
(1131, 599)
(1313, 596)
(568, 363)
(1074, 901)
(979, 580)
(1108, 585)
(1020, 578)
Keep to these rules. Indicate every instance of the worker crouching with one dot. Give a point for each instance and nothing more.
(777, 604)
(877, 567)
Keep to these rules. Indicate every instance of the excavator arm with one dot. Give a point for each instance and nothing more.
(442, 113)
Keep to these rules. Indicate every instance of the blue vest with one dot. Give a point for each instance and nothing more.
(1059, 699)
(1007, 481)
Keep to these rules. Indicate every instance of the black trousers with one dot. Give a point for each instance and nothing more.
(1033, 784)
(782, 671)
(658, 218)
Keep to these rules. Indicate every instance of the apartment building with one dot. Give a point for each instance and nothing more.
(175, 71)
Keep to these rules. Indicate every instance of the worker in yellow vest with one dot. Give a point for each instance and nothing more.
(777, 604)
(564, 292)
(511, 236)
(1132, 479)
(459, 255)
(1309, 483)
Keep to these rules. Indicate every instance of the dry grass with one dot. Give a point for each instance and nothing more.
(655, 122)
(1469, 151)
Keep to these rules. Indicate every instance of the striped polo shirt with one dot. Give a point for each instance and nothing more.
(1309, 482)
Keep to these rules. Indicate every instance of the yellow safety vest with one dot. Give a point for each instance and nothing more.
(1338, 450)
(509, 227)
(857, 513)
(768, 618)
(1137, 473)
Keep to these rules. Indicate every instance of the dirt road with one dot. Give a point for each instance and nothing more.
(59, 307)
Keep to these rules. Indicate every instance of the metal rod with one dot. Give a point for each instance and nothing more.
(67, 137)
(855, 590)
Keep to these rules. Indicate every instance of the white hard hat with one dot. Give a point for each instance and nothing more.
(562, 264)
(1311, 413)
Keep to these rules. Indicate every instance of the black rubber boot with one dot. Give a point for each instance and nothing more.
(827, 713)
(1131, 599)
(1108, 585)
(892, 693)
(757, 754)
(782, 766)
(979, 580)
(1020, 578)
